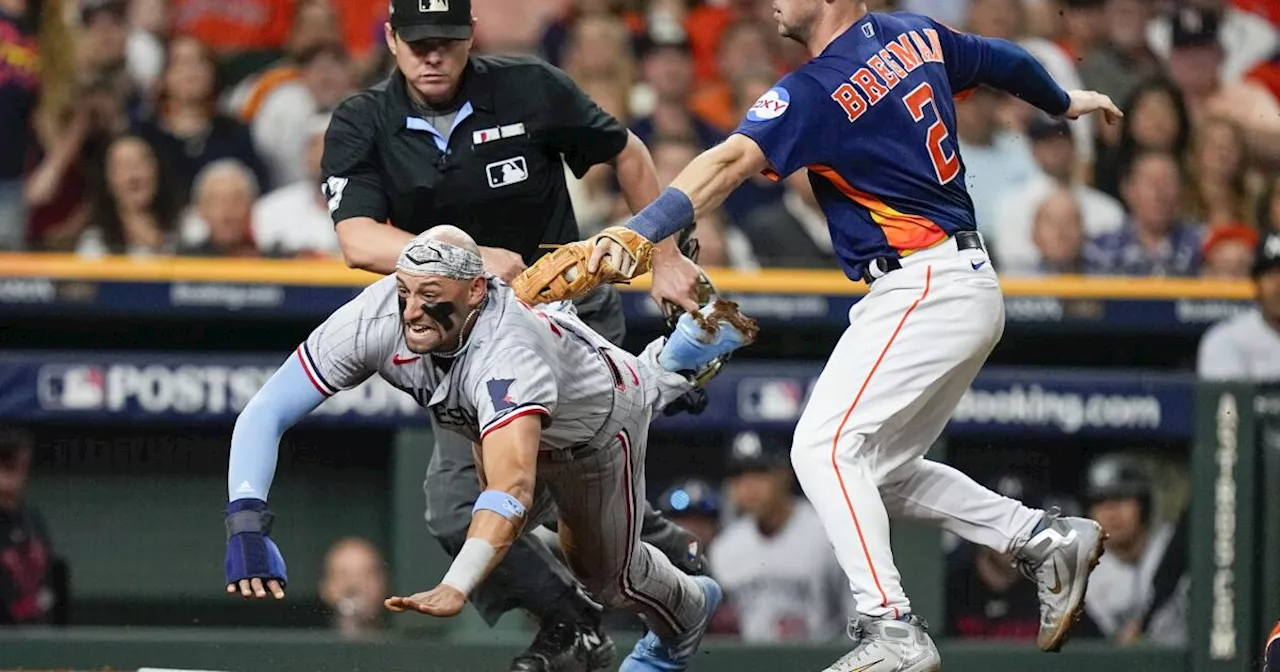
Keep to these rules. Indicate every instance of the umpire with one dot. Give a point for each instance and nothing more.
(477, 141)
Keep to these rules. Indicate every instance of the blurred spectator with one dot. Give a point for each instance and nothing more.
(667, 68)
(599, 49)
(747, 49)
(987, 597)
(280, 129)
(1055, 157)
(1194, 63)
(315, 22)
(250, 26)
(1228, 252)
(1156, 239)
(1155, 119)
(134, 210)
(19, 86)
(505, 27)
(1058, 235)
(794, 232)
(1140, 589)
(26, 582)
(224, 195)
(778, 571)
(187, 132)
(353, 585)
(1217, 172)
(557, 39)
(707, 24)
(996, 161)
(1122, 60)
(102, 50)
(1006, 19)
(294, 219)
(1268, 216)
(1247, 347)
(949, 12)
(693, 504)
(1084, 26)
(1246, 39)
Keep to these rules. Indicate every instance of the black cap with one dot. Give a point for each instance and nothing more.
(91, 8)
(751, 453)
(1267, 256)
(1043, 127)
(415, 20)
(1115, 477)
(1194, 27)
(690, 496)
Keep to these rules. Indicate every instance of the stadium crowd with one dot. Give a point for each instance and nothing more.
(153, 127)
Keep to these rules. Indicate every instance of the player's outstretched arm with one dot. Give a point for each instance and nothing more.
(254, 565)
(1087, 102)
(509, 466)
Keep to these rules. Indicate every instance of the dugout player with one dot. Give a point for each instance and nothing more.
(871, 117)
(550, 408)
(477, 142)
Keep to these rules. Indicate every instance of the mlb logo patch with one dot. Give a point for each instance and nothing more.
(72, 388)
(771, 105)
(425, 6)
(507, 172)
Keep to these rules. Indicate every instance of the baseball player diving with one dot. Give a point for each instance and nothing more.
(872, 119)
(550, 407)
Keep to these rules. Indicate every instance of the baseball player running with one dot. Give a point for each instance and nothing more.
(871, 117)
(544, 400)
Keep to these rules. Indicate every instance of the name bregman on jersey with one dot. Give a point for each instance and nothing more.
(886, 70)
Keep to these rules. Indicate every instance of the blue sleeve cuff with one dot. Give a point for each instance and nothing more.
(667, 215)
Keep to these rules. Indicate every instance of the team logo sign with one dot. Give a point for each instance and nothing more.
(771, 105)
(425, 6)
(506, 173)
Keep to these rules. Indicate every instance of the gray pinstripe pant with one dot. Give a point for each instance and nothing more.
(600, 492)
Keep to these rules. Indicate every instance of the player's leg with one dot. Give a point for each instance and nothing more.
(529, 577)
(601, 497)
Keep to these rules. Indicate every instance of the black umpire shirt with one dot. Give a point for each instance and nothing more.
(497, 175)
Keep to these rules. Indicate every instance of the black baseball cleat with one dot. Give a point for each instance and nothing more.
(563, 646)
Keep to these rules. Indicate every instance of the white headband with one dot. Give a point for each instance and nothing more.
(427, 256)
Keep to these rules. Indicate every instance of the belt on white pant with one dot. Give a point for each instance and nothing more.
(881, 266)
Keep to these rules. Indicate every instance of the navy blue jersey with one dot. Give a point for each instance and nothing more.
(872, 117)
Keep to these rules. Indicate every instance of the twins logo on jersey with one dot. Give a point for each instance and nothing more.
(771, 105)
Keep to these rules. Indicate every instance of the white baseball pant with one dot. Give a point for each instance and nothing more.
(913, 347)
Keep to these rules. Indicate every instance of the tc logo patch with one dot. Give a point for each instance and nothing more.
(771, 105)
(500, 393)
(507, 172)
(425, 6)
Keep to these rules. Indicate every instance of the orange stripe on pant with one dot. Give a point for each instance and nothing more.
(835, 443)
(905, 233)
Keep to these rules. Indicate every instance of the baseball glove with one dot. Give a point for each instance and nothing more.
(562, 275)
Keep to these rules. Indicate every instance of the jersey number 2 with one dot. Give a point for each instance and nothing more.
(944, 166)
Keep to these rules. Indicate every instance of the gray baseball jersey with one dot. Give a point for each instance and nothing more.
(596, 402)
(1243, 348)
(517, 361)
(1120, 593)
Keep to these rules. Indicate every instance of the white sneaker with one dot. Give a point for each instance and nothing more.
(888, 645)
(1059, 559)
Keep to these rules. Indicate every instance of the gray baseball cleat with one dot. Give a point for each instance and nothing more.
(888, 645)
(1059, 559)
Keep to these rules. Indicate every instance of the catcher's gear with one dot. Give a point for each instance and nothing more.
(562, 274)
(702, 339)
(250, 551)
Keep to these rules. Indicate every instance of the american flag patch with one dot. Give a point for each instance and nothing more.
(486, 135)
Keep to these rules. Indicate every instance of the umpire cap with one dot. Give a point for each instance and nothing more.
(690, 496)
(1267, 256)
(751, 453)
(416, 20)
(1116, 477)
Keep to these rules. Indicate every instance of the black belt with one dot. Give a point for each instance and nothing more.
(965, 240)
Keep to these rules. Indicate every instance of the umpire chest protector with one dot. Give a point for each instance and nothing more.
(496, 173)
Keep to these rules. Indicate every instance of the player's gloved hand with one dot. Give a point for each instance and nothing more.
(718, 329)
(254, 563)
(693, 402)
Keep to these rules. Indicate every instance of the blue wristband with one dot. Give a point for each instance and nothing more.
(500, 503)
(666, 216)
